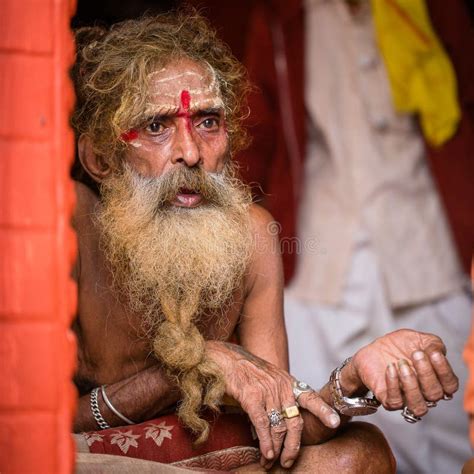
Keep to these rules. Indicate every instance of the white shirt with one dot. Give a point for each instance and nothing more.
(365, 171)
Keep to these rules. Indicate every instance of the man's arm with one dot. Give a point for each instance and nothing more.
(401, 368)
(262, 327)
(139, 397)
(262, 333)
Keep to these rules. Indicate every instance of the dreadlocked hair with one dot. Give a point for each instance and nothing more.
(181, 347)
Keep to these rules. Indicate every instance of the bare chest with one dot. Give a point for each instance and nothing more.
(112, 341)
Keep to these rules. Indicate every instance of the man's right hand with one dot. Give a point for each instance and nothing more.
(259, 387)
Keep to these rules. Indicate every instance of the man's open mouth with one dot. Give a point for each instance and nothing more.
(186, 197)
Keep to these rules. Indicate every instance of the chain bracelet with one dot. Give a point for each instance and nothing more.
(99, 419)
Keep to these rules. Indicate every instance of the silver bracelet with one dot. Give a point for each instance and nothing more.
(357, 406)
(99, 419)
(113, 409)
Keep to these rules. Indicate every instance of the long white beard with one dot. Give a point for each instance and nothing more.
(188, 256)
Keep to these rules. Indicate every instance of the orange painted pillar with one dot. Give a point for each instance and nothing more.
(37, 245)
(469, 361)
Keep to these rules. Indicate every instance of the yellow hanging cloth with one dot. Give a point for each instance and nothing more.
(422, 78)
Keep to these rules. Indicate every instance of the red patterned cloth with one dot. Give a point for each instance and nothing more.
(165, 440)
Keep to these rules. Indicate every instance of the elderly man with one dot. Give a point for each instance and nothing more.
(180, 278)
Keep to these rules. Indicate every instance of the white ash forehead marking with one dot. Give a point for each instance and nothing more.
(161, 109)
(176, 76)
(207, 103)
(213, 103)
(213, 85)
(163, 69)
(172, 95)
(210, 70)
(174, 89)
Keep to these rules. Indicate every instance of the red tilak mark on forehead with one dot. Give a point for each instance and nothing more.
(185, 100)
(129, 136)
(184, 109)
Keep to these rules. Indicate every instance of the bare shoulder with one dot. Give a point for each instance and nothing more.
(86, 202)
(83, 224)
(86, 199)
(265, 264)
(263, 223)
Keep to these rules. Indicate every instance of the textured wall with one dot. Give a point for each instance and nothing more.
(37, 245)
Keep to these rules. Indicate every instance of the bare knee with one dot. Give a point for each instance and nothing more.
(359, 448)
(468, 467)
(364, 449)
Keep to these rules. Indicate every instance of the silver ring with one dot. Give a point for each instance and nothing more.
(430, 404)
(274, 417)
(447, 397)
(409, 416)
(299, 388)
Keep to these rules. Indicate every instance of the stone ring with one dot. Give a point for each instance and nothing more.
(409, 416)
(274, 416)
(299, 388)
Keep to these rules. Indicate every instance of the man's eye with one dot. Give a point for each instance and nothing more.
(209, 124)
(154, 127)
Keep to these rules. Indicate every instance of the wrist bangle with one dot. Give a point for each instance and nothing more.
(99, 419)
(113, 409)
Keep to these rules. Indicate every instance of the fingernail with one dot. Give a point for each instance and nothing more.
(404, 367)
(418, 355)
(334, 420)
(270, 454)
(436, 356)
(392, 370)
(289, 463)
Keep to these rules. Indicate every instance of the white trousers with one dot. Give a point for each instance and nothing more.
(321, 337)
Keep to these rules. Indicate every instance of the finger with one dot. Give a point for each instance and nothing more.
(427, 378)
(446, 376)
(278, 434)
(435, 345)
(394, 400)
(414, 399)
(318, 407)
(259, 418)
(292, 443)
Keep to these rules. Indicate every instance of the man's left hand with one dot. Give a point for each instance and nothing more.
(404, 368)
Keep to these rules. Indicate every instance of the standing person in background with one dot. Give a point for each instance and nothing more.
(342, 167)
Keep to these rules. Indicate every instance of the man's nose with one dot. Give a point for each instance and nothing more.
(186, 149)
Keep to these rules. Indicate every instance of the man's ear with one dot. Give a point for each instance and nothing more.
(91, 162)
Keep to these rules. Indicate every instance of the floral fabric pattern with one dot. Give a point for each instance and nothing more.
(158, 432)
(125, 439)
(165, 440)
